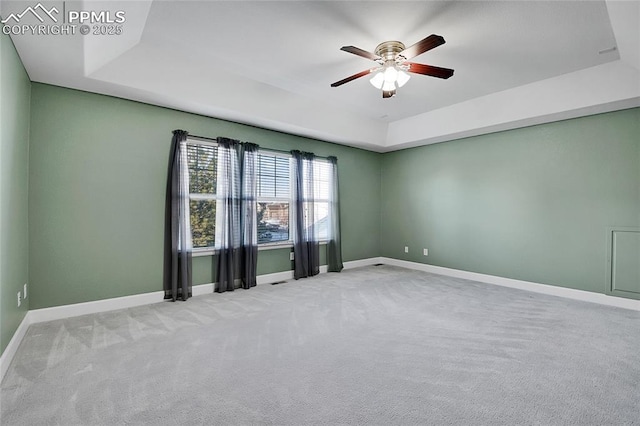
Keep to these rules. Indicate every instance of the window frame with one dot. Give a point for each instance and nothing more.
(324, 200)
(197, 196)
(289, 200)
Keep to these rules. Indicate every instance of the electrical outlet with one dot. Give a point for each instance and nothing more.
(19, 300)
(24, 290)
(406, 249)
(425, 252)
(291, 256)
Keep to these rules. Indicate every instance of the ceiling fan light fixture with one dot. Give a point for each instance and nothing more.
(391, 74)
(388, 86)
(388, 78)
(377, 80)
(403, 77)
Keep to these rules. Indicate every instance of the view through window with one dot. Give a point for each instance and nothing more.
(274, 195)
(202, 161)
(322, 181)
(274, 198)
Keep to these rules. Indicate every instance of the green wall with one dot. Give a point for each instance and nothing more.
(532, 204)
(15, 90)
(97, 179)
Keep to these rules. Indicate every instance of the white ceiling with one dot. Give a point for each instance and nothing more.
(270, 64)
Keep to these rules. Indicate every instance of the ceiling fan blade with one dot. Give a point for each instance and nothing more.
(388, 93)
(360, 52)
(422, 46)
(429, 70)
(353, 77)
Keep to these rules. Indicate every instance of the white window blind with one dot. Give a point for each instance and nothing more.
(274, 198)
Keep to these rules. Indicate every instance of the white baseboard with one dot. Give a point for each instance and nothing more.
(12, 347)
(105, 305)
(288, 275)
(362, 262)
(570, 293)
(201, 289)
(275, 277)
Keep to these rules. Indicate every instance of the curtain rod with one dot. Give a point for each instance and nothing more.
(266, 149)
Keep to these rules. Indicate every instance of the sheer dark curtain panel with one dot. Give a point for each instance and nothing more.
(236, 228)
(177, 232)
(249, 208)
(334, 245)
(306, 247)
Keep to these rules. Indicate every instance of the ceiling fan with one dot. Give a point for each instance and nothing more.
(393, 59)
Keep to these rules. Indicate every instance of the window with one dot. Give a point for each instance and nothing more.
(322, 184)
(202, 159)
(274, 198)
(274, 195)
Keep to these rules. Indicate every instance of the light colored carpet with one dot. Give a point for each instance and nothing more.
(377, 345)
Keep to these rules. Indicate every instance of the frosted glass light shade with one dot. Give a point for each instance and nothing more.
(389, 79)
(391, 74)
(377, 80)
(403, 77)
(388, 86)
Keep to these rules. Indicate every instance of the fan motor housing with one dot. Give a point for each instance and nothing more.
(388, 50)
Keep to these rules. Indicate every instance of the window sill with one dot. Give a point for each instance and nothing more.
(275, 246)
(203, 252)
(261, 247)
(289, 244)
